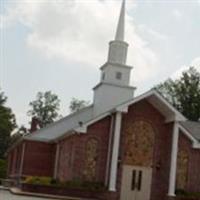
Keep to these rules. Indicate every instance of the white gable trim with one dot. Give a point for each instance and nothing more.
(178, 115)
(124, 108)
(82, 129)
(195, 142)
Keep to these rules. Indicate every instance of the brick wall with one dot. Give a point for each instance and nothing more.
(14, 161)
(72, 153)
(38, 159)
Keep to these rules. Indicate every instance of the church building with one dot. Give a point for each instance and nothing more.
(138, 147)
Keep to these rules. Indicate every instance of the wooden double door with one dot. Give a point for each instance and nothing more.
(136, 183)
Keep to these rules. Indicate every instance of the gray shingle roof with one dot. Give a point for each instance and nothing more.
(192, 127)
(57, 129)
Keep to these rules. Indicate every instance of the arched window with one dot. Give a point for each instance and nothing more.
(182, 169)
(139, 144)
(90, 159)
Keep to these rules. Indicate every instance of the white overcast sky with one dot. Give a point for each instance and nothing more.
(59, 45)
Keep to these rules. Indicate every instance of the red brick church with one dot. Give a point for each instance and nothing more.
(140, 147)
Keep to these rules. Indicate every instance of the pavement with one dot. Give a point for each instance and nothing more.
(7, 195)
(17, 194)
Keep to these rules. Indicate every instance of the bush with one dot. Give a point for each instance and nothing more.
(54, 181)
(38, 180)
(87, 185)
(183, 193)
(74, 184)
(3, 168)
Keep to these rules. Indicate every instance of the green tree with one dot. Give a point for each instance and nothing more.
(7, 125)
(18, 134)
(45, 108)
(184, 93)
(3, 168)
(76, 104)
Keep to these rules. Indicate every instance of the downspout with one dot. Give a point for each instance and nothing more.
(115, 153)
(109, 149)
(9, 158)
(22, 160)
(15, 160)
(56, 160)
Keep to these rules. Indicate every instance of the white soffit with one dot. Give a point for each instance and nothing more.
(162, 107)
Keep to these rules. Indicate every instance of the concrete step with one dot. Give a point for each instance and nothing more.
(7, 182)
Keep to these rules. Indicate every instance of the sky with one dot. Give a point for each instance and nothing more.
(59, 45)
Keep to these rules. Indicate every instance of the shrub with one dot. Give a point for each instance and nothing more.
(3, 168)
(38, 180)
(87, 185)
(183, 193)
(54, 181)
(74, 184)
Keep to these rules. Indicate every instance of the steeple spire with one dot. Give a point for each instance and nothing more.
(120, 28)
(118, 47)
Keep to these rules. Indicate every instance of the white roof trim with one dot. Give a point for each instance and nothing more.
(83, 128)
(124, 108)
(195, 142)
(178, 115)
(36, 139)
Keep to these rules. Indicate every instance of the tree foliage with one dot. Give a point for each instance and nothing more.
(18, 134)
(76, 104)
(184, 93)
(7, 125)
(45, 108)
(3, 168)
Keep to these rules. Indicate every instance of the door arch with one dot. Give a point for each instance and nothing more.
(139, 144)
(137, 161)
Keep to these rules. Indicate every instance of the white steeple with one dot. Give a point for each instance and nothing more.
(121, 24)
(118, 47)
(114, 87)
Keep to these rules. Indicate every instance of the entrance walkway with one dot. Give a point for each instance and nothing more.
(6, 195)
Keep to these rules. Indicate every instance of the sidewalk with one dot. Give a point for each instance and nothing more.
(17, 191)
(3, 188)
